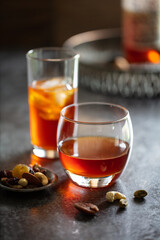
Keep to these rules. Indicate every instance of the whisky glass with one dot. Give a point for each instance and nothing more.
(94, 142)
(52, 84)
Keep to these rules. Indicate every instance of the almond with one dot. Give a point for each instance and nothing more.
(33, 180)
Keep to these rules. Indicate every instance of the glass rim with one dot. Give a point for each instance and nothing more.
(75, 55)
(98, 122)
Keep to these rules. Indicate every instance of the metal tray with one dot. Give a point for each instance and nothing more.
(98, 49)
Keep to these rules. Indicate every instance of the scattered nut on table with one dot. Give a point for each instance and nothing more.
(113, 195)
(88, 208)
(123, 203)
(140, 194)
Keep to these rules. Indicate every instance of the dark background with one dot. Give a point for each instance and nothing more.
(37, 23)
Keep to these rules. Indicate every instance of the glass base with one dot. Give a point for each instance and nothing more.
(90, 182)
(43, 153)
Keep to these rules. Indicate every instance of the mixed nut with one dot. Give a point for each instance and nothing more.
(140, 194)
(28, 177)
(88, 208)
(111, 196)
(23, 176)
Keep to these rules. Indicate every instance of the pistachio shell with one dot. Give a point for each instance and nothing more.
(140, 194)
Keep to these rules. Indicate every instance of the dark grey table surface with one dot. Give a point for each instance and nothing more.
(50, 214)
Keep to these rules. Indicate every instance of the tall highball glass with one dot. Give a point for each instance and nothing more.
(52, 84)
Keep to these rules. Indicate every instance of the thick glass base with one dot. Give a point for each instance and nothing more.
(43, 153)
(90, 182)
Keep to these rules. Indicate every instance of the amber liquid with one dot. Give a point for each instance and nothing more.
(141, 35)
(142, 55)
(46, 99)
(94, 156)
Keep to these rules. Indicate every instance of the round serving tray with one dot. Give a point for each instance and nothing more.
(98, 50)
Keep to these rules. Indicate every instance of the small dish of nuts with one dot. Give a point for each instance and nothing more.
(24, 178)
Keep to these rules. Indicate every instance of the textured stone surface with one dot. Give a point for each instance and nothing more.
(51, 214)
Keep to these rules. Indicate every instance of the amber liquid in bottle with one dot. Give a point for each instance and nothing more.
(141, 30)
